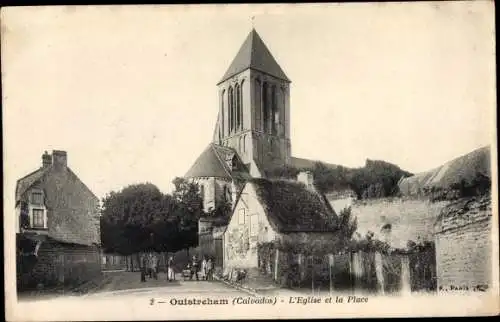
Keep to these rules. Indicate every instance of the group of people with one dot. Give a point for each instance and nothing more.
(207, 268)
(149, 267)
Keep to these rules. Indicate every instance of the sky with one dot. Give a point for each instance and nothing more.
(130, 92)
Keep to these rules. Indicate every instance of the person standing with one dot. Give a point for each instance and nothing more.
(170, 269)
(204, 268)
(143, 266)
(148, 265)
(194, 268)
(210, 269)
(154, 266)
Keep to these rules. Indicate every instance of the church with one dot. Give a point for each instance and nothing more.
(250, 139)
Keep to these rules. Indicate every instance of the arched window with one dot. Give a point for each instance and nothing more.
(274, 111)
(265, 106)
(258, 105)
(241, 104)
(222, 120)
(271, 148)
(230, 108)
(283, 108)
(238, 105)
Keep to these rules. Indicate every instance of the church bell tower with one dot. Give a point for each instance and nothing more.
(254, 108)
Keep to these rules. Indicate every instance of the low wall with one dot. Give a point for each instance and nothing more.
(59, 263)
(113, 262)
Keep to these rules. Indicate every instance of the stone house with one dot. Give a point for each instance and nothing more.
(464, 245)
(58, 228)
(275, 210)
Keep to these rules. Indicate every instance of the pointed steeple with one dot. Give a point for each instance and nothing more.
(254, 54)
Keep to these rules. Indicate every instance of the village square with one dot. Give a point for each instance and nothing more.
(249, 219)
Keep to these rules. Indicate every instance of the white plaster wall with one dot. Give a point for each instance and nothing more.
(242, 236)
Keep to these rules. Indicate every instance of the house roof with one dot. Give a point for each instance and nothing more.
(291, 207)
(63, 227)
(28, 181)
(254, 54)
(212, 163)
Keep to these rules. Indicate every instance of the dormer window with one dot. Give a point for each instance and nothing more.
(37, 198)
(38, 218)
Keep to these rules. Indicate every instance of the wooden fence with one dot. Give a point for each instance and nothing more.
(368, 272)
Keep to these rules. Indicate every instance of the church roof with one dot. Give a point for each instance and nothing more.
(291, 207)
(212, 162)
(301, 163)
(254, 54)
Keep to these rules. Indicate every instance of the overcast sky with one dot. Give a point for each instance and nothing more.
(130, 92)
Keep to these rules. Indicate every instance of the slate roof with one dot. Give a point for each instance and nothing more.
(254, 54)
(28, 181)
(291, 207)
(212, 163)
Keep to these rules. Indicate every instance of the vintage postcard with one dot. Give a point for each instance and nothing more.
(210, 162)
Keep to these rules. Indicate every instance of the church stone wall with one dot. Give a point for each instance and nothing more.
(213, 191)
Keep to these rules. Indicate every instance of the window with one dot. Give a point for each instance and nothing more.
(38, 218)
(230, 109)
(241, 105)
(258, 105)
(241, 216)
(37, 198)
(273, 111)
(222, 119)
(265, 107)
(202, 192)
(238, 107)
(254, 225)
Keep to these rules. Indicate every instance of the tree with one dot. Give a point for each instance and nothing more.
(189, 210)
(128, 217)
(347, 226)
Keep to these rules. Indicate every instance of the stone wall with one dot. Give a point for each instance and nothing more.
(59, 263)
(410, 218)
(464, 247)
(73, 210)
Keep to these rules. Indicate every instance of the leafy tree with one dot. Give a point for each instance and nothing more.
(189, 210)
(347, 226)
(128, 217)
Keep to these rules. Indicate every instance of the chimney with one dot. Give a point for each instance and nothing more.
(306, 177)
(60, 159)
(46, 160)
